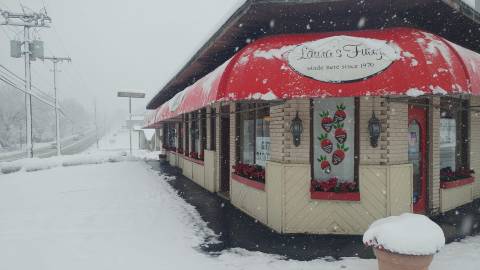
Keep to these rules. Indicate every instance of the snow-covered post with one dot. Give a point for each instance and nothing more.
(405, 242)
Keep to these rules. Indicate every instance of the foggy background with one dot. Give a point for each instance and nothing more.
(114, 45)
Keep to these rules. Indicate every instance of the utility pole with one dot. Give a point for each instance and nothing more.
(96, 124)
(27, 21)
(55, 61)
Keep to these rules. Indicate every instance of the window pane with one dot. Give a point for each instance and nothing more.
(334, 139)
(247, 134)
(448, 141)
(262, 140)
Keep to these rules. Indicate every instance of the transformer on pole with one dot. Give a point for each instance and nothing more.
(31, 50)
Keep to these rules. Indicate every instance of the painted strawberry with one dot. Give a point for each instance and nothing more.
(325, 164)
(339, 155)
(325, 143)
(340, 133)
(340, 114)
(327, 121)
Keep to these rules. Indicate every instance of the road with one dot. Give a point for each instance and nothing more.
(69, 146)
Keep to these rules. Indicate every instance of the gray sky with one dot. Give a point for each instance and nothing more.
(116, 44)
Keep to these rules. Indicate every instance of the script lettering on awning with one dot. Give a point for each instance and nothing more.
(342, 58)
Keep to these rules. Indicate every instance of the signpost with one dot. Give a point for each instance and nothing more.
(130, 95)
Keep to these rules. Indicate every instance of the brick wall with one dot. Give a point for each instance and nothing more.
(218, 133)
(434, 154)
(209, 133)
(297, 154)
(368, 154)
(475, 143)
(277, 127)
(233, 137)
(397, 133)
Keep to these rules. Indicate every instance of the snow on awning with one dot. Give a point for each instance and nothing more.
(389, 62)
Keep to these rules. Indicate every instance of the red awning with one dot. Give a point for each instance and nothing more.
(411, 62)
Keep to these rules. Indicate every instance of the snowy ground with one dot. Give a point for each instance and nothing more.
(122, 215)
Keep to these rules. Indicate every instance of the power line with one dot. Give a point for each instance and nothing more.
(11, 73)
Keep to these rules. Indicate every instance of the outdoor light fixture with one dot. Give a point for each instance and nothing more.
(296, 127)
(374, 128)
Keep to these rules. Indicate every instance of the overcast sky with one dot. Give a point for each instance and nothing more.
(116, 44)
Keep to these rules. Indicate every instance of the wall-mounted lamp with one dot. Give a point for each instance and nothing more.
(374, 129)
(296, 128)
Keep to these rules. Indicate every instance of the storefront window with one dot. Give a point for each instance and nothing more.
(195, 133)
(213, 129)
(187, 135)
(254, 134)
(172, 135)
(334, 139)
(203, 128)
(453, 139)
(180, 136)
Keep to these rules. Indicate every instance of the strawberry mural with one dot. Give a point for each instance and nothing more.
(339, 155)
(327, 121)
(325, 143)
(340, 133)
(340, 114)
(325, 164)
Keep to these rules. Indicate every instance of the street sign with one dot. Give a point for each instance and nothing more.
(131, 94)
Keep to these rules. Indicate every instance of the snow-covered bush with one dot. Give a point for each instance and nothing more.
(408, 234)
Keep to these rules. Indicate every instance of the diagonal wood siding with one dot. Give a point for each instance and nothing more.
(301, 214)
(249, 200)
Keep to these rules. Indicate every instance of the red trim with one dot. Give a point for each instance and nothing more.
(198, 161)
(248, 182)
(333, 196)
(419, 114)
(457, 183)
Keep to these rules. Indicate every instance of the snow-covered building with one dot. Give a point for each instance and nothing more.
(311, 125)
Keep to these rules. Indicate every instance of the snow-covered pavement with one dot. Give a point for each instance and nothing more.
(123, 215)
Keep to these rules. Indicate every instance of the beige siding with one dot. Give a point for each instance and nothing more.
(400, 187)
(250, 200)
(275, 200)
(455, 197)
(379, 186)
(475, 145)
(198, 173)
(187, 168)
(210, 167)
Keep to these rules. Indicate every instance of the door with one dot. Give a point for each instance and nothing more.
(225, 156)
(417, 155)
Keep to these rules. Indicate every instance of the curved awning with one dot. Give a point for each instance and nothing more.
(390, 62)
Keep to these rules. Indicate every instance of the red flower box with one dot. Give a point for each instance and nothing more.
(457, 183)
(194, 160)
(335, 196)
(248, 182)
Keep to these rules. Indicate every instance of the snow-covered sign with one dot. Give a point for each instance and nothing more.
(342, 58)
